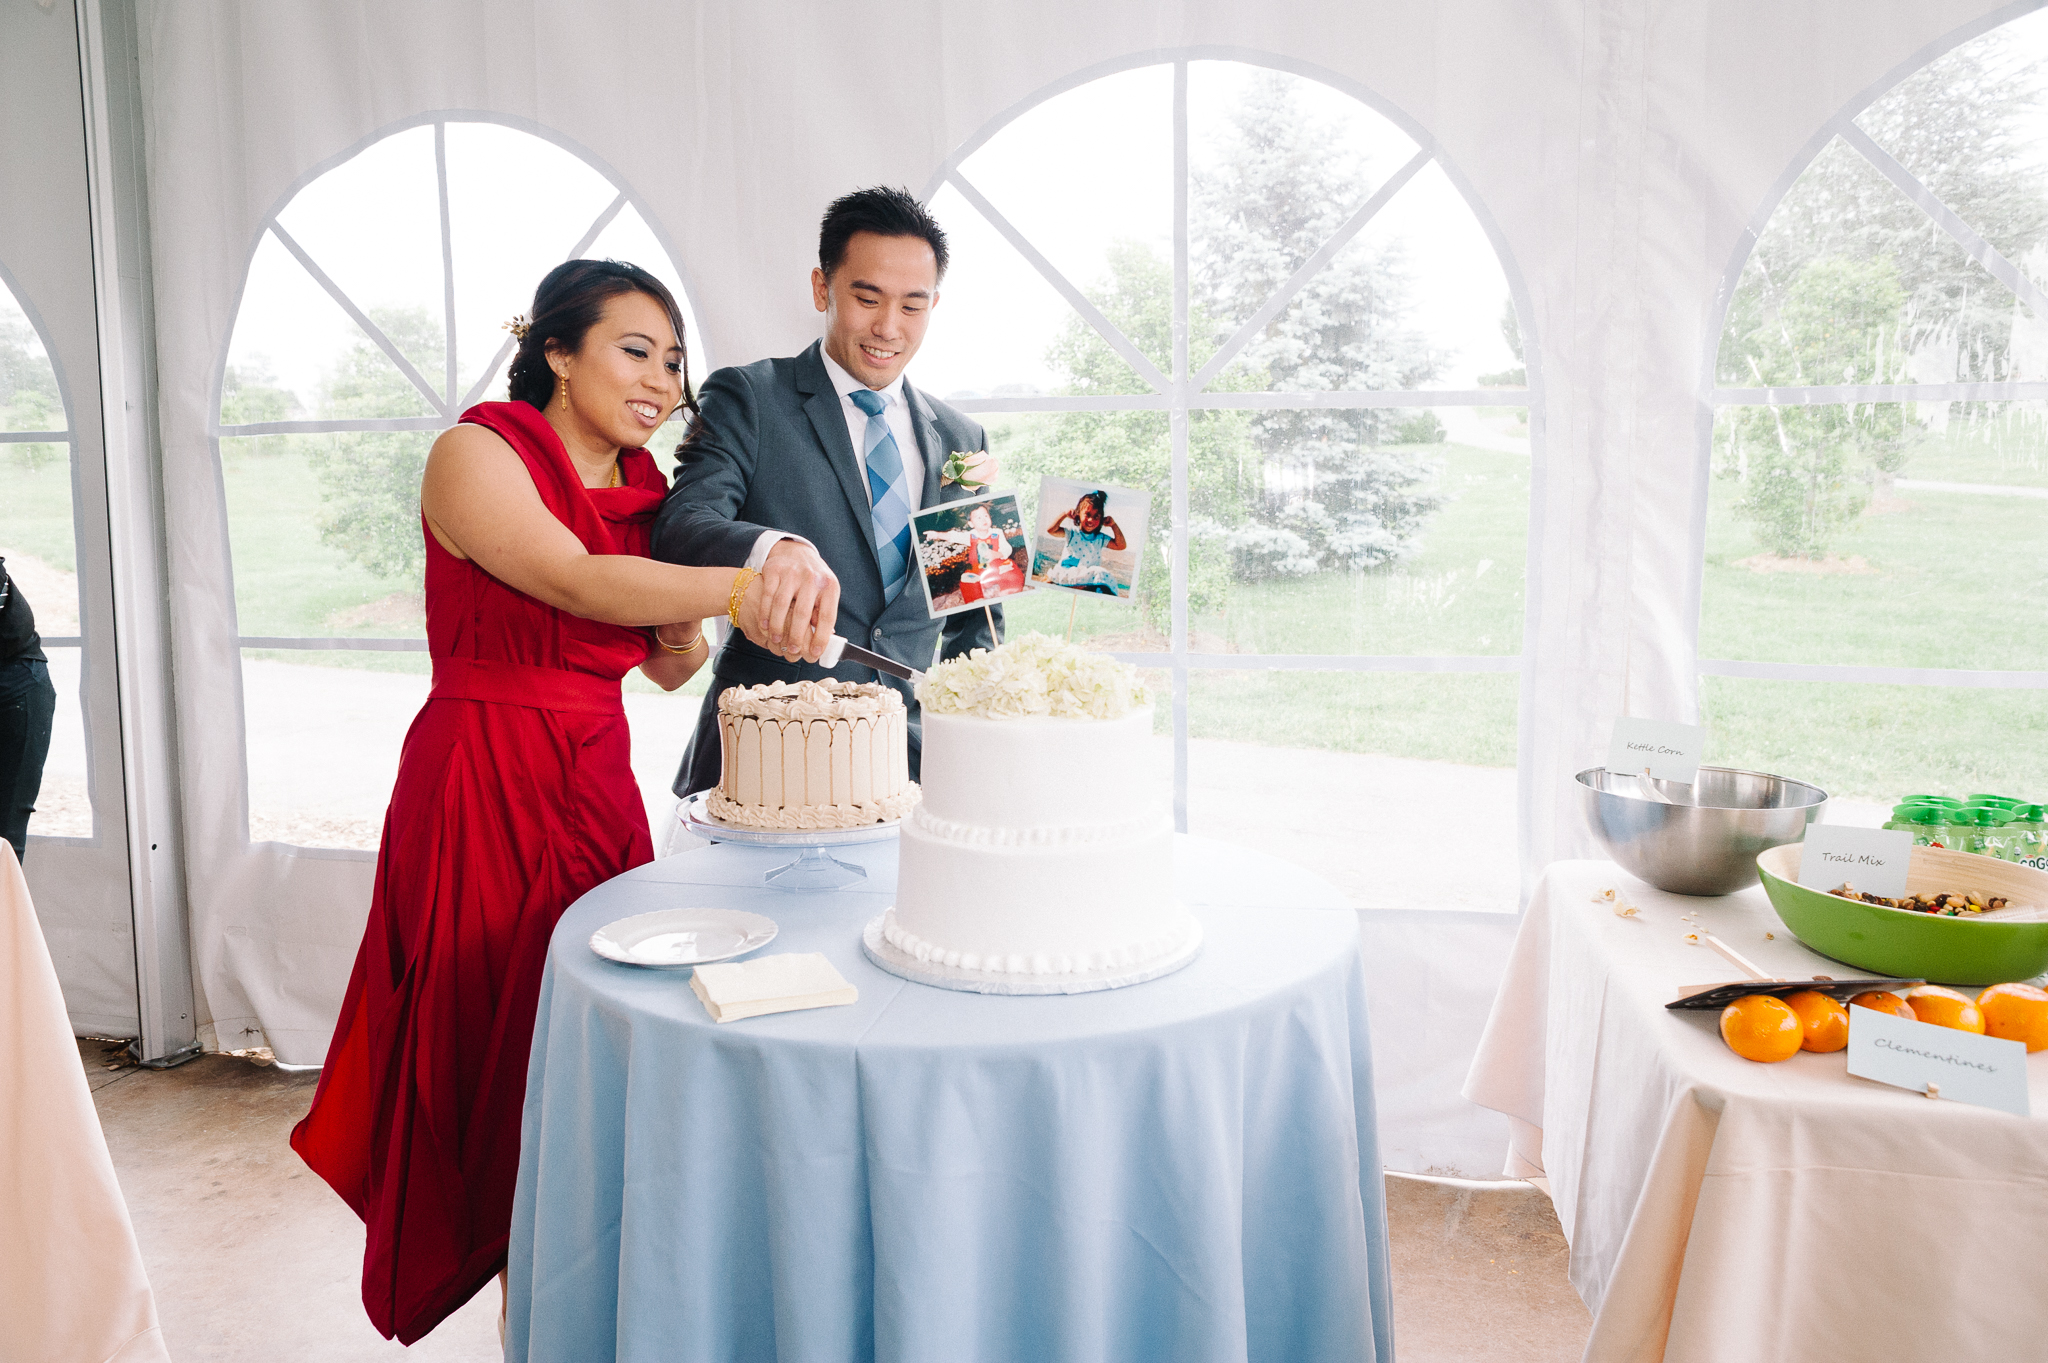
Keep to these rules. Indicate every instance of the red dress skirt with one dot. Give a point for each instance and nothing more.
(514, 797)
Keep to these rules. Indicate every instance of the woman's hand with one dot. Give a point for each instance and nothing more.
(803, 641)
(680, 649)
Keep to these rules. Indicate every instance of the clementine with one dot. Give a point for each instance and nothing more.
(1945, 1008)
(1761, 1028)
(2017, 1012)
(1822, 1018)
(1884, 1001)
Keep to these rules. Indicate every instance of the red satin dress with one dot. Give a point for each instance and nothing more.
(513, 797)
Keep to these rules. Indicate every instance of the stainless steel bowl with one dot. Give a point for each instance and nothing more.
(1700, 839)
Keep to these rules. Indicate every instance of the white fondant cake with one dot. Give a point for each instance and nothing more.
(826, 754)
(1041, 857)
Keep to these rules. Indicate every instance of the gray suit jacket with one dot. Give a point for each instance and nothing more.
(771, 452)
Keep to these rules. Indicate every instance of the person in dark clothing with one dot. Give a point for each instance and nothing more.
(28, 705)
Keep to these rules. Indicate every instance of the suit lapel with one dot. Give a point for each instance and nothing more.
(928, 445)
(828, 420)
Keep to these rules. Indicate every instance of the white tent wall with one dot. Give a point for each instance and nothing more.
(1617, 152)
(80, 884)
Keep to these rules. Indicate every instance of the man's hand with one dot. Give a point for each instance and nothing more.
(799, 602)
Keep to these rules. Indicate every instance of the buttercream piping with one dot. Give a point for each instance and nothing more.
(981, 835)
(1133, 955)
(882, 810)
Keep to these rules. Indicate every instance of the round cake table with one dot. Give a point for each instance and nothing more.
(1183, 1170)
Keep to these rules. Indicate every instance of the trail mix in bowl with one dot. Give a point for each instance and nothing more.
(1945, 904)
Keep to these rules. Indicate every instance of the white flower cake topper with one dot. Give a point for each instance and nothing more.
(1034, 675)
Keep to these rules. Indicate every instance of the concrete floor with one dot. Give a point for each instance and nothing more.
(254, 1259)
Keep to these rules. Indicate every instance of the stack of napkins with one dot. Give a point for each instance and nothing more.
(770, 984)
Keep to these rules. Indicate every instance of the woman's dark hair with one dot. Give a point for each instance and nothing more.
(567, 304)
(885, 212)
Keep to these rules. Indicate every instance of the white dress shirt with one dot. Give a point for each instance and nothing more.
(895, 411)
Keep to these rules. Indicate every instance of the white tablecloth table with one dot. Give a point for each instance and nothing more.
(1721, 1209)
(72, 1287)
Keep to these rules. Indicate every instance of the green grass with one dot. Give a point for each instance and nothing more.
(287, 583)
(1881, 742)
(2007, 450)
(1462, 594)
(35, 512)
(1958, 581)
(1444, 717)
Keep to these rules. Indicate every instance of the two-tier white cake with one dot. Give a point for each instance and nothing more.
(1041, 858)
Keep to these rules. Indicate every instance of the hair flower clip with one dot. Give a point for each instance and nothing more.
(519, 326)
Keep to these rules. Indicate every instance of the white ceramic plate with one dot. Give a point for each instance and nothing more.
(671, 939)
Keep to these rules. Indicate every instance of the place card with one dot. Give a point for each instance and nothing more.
(1874, 860)
(1668, 750)
(1984, 1070)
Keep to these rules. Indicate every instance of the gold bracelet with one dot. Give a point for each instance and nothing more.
(739, 591)
(688, 648)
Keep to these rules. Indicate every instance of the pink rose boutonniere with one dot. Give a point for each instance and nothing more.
(969, 468)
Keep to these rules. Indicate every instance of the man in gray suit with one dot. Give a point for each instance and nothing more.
(808, 469)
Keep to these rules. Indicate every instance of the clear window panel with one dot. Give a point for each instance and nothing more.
(37, 537)
(325, 730)
(1389, 531)
(29, 397)
(1001, 330)
(297, 355)
(1898, 535)
(505, 236)
(1130, 450)
(1870, 745)
(1416, 300)
(323, 733)
(326, 534)
(1087, 177)
(373, 226)
(1851, 282)
(64, 806)
(1351, 774)
(661, 723)
(1970, 125)
(1277, 164)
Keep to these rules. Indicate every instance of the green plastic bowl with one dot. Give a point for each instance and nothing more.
(1908, 945)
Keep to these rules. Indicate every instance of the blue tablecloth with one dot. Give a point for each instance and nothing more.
(1186, 1170)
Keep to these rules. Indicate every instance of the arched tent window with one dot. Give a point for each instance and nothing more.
(1871, 600)
(372, 317)
(38, 539)
(1267, 305)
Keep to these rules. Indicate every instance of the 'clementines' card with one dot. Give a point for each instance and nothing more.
(1939, 1061)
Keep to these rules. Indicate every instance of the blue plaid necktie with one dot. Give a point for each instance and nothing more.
(886, 490)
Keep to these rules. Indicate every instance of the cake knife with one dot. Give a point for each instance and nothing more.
(840, 650)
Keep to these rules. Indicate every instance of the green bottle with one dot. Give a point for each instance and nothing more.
(1929, 825)
(1983, 829)
(2028, 833)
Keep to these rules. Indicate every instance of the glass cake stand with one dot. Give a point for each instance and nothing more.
(814, 868)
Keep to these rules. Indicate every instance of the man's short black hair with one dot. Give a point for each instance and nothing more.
(884, 211)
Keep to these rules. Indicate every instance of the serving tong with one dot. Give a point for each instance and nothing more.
(1703, 997)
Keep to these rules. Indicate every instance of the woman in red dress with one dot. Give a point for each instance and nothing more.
(514, 795)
